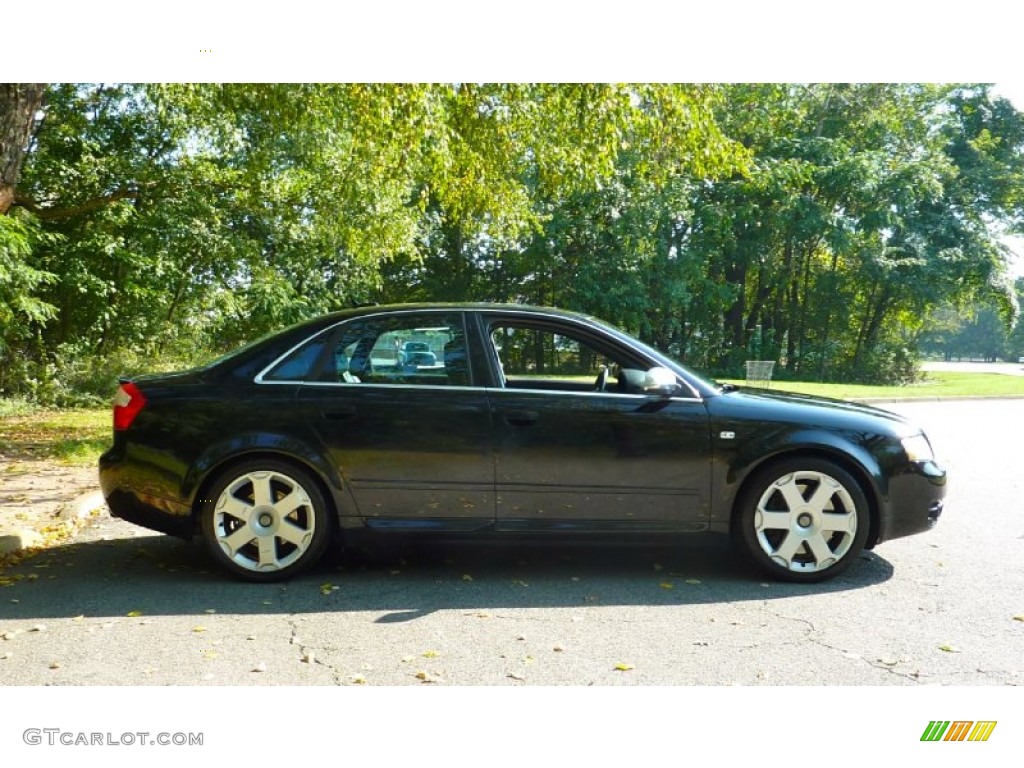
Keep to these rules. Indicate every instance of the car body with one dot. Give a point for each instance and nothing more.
(533, 421)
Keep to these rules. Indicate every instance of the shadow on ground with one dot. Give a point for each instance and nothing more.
(160, 575)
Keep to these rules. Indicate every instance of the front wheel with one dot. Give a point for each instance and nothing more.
(266, 520)
(803, 520)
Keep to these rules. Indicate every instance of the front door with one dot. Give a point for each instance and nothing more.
(577, 449)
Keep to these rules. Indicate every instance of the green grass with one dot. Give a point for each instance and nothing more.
(937, 384)
(73, 437)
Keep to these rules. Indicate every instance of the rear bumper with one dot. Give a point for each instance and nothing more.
(131, 497)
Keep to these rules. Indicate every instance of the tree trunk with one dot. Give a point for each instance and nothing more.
(19, 103)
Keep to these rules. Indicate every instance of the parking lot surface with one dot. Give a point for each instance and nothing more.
(122, 606)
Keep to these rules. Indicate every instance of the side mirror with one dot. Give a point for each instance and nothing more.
(661, 381)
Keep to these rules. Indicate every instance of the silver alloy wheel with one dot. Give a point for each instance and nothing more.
(806, 521)
(264, 521)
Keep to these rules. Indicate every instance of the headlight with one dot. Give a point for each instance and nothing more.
(918, 448)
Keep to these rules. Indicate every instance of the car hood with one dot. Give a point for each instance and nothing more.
(790, 407)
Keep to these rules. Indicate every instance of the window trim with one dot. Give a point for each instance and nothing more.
(491, 318)
(332, 332)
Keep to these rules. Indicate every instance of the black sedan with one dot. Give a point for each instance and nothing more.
(532, 421)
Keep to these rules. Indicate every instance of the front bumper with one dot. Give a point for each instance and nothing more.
(916, 501)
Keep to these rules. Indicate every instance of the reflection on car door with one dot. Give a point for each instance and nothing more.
(571, 458)
(413, 443)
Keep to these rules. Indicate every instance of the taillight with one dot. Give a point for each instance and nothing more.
(128, 401)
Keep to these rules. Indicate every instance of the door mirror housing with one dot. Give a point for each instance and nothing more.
(661, 381)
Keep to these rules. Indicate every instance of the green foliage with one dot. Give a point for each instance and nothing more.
(820, 225)
(20, 310)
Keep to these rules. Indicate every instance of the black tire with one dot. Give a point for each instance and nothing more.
(266, 520)
(802, 520)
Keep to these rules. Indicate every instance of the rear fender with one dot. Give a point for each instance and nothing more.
(240, 446)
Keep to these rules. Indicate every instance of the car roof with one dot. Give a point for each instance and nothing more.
(371, 309)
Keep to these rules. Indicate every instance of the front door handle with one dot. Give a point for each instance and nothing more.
(521, 418)
(340, 413)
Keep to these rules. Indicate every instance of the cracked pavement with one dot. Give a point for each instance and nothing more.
(122, 606)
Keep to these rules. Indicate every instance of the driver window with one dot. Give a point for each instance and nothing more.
(539, 358)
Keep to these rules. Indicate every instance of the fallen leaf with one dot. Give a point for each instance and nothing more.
(260, 667)
(38, 628)
(529, 660)
(693, 581)
(624, 667)
(407, 659)
(210, 610)
(558, 649)
(133, 614)
(667, 585)
(198, 629)
(430, 654)
(79, 618)
(308, 657)
(466, 577)
(6, 655)
(1019, 618)
(514, 676)
(888, 662)
(949, 649)
(325, 589)
(54, 665)
(358, 680)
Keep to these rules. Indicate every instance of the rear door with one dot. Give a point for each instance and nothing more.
(410, 434)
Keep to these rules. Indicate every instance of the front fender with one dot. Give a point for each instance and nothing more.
(736, 460)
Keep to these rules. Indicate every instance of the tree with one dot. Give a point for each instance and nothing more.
(19, 104)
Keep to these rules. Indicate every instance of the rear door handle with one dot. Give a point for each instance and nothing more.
(521, 418)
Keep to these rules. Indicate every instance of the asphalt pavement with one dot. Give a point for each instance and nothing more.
(122, 606)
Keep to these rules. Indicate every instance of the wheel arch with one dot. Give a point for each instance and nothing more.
(865, 478)
(214, 473)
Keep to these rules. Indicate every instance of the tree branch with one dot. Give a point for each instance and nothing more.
(55, 213)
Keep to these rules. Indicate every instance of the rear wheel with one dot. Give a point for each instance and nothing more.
(266, 520)
(802, 520)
